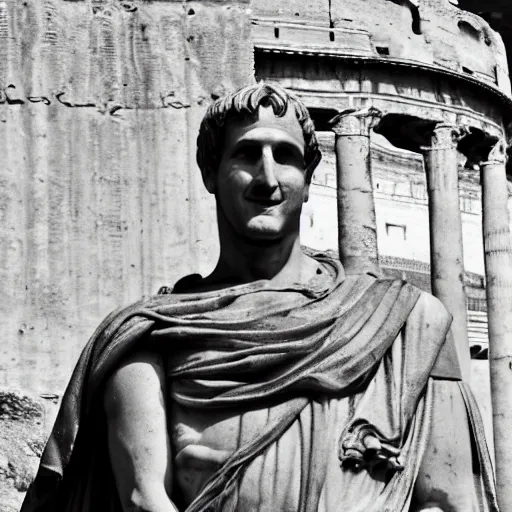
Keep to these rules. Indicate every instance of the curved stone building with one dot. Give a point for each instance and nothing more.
(421, 65)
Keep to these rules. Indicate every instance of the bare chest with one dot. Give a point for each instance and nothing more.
(203, 440)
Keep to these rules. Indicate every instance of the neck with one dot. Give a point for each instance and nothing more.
(243, 261)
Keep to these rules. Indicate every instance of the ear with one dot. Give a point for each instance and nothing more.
(209, 181)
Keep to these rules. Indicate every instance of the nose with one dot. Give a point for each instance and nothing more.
(266, 176)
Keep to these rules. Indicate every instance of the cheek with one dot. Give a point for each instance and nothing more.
(235, 180)
(295, 187)
(295, 201)
(230, 193)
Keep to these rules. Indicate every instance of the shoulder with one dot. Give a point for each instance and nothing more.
(431, 307)
(426, 331)
(426, 306)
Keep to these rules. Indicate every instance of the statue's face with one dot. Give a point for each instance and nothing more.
(260, 184)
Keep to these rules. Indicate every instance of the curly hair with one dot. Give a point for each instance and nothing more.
(245, 103)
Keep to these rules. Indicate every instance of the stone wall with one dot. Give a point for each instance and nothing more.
(101, 200)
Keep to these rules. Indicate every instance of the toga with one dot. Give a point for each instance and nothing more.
(347, 367)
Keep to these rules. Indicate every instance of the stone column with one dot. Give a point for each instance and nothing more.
(498, 269)
(446, 254)
(357, 231)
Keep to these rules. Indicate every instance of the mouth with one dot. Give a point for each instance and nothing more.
(264, 202)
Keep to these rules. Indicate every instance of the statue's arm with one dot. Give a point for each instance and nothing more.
(446, 477)
(138, 439)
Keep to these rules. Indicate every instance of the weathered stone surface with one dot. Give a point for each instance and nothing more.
(430, 33)
(100, 199)
(22, 438)
(14, 406)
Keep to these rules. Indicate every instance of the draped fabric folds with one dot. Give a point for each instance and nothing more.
(335, 336)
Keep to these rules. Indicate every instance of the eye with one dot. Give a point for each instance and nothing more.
(247, 152)
(288, 155)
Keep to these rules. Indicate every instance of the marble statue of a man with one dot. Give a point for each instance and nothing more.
(276, 383)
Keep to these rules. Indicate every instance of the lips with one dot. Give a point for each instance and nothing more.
(264, 203)
(265, 200)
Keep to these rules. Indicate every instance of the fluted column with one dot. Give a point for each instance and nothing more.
(498, 269)
(357, 231)
(446, 253)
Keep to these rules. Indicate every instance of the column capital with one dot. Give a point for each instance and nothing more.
(497, 154)
(443, 136)
(355, 121)
(418, 134)
(482, 148)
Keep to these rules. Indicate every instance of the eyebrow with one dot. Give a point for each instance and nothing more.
(288, 141)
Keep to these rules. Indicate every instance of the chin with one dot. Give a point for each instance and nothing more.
(262, 237)
(262, 243)
(264, 232)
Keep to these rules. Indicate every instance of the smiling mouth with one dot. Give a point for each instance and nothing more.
(264, 202)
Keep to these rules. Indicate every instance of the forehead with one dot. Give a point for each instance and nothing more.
(265, 126)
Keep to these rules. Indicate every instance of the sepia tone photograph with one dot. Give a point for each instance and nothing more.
(255, 256)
